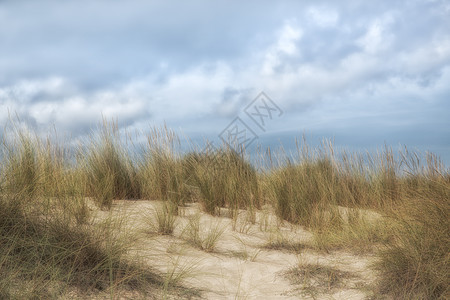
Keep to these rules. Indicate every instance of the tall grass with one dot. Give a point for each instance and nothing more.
(416, 263)
(20, 165)
(161, 172)
(39, 255)
(110, 171)
(163, 221)
(318, 180)
(304, 193)
(48, 244)
(354, 202)
(224, 179)
(399, 202)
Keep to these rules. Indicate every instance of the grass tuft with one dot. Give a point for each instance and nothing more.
(315, 279)
(224, 179)
(205, 241)
(164, 219)
(110, 171)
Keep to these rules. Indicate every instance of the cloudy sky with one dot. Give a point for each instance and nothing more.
(365, 73)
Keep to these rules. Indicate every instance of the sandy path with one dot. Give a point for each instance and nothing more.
(242, 266)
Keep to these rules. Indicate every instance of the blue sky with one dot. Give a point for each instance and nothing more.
(365, 73)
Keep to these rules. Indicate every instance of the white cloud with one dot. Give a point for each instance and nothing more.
(68, 111)
(377, 37)
(426, 58)
(286, 45)
(288, 37)
(323, 17)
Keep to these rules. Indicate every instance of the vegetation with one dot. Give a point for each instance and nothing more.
(224, 179)
(416, 263)
(108, 168)
(206, 241)
(391, 204)
(163, 221)
(49, 243)
(312, 279)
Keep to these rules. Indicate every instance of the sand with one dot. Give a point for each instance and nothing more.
(253, 261)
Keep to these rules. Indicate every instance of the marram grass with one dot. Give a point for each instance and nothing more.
(393, 204)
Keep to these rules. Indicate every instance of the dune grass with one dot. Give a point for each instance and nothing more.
(50, 245)
(163, 220)
(416, 262)
(46, 258)
(395, 205)
(109, 169)
(161, 170)
(311, 280)
(224, 179)
(199, 238)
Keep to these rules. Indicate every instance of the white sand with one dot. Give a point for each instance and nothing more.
(241, 267)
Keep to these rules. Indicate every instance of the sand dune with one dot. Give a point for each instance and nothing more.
(264, 260)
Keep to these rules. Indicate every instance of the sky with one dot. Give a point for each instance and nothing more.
(363, 73)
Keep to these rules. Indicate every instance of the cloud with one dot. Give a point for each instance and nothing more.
(44, 103)
(377, 36)
(145, 62)
(284, 47)
(323, 16)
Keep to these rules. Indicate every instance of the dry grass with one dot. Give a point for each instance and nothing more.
(45, 222)
(160, 168)
(315, 279)
(358, 234)
(50, 245)
(277, 240)
(163, 220)
(416, 262)
(110, 172)
(201, 239)
(224, 179)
